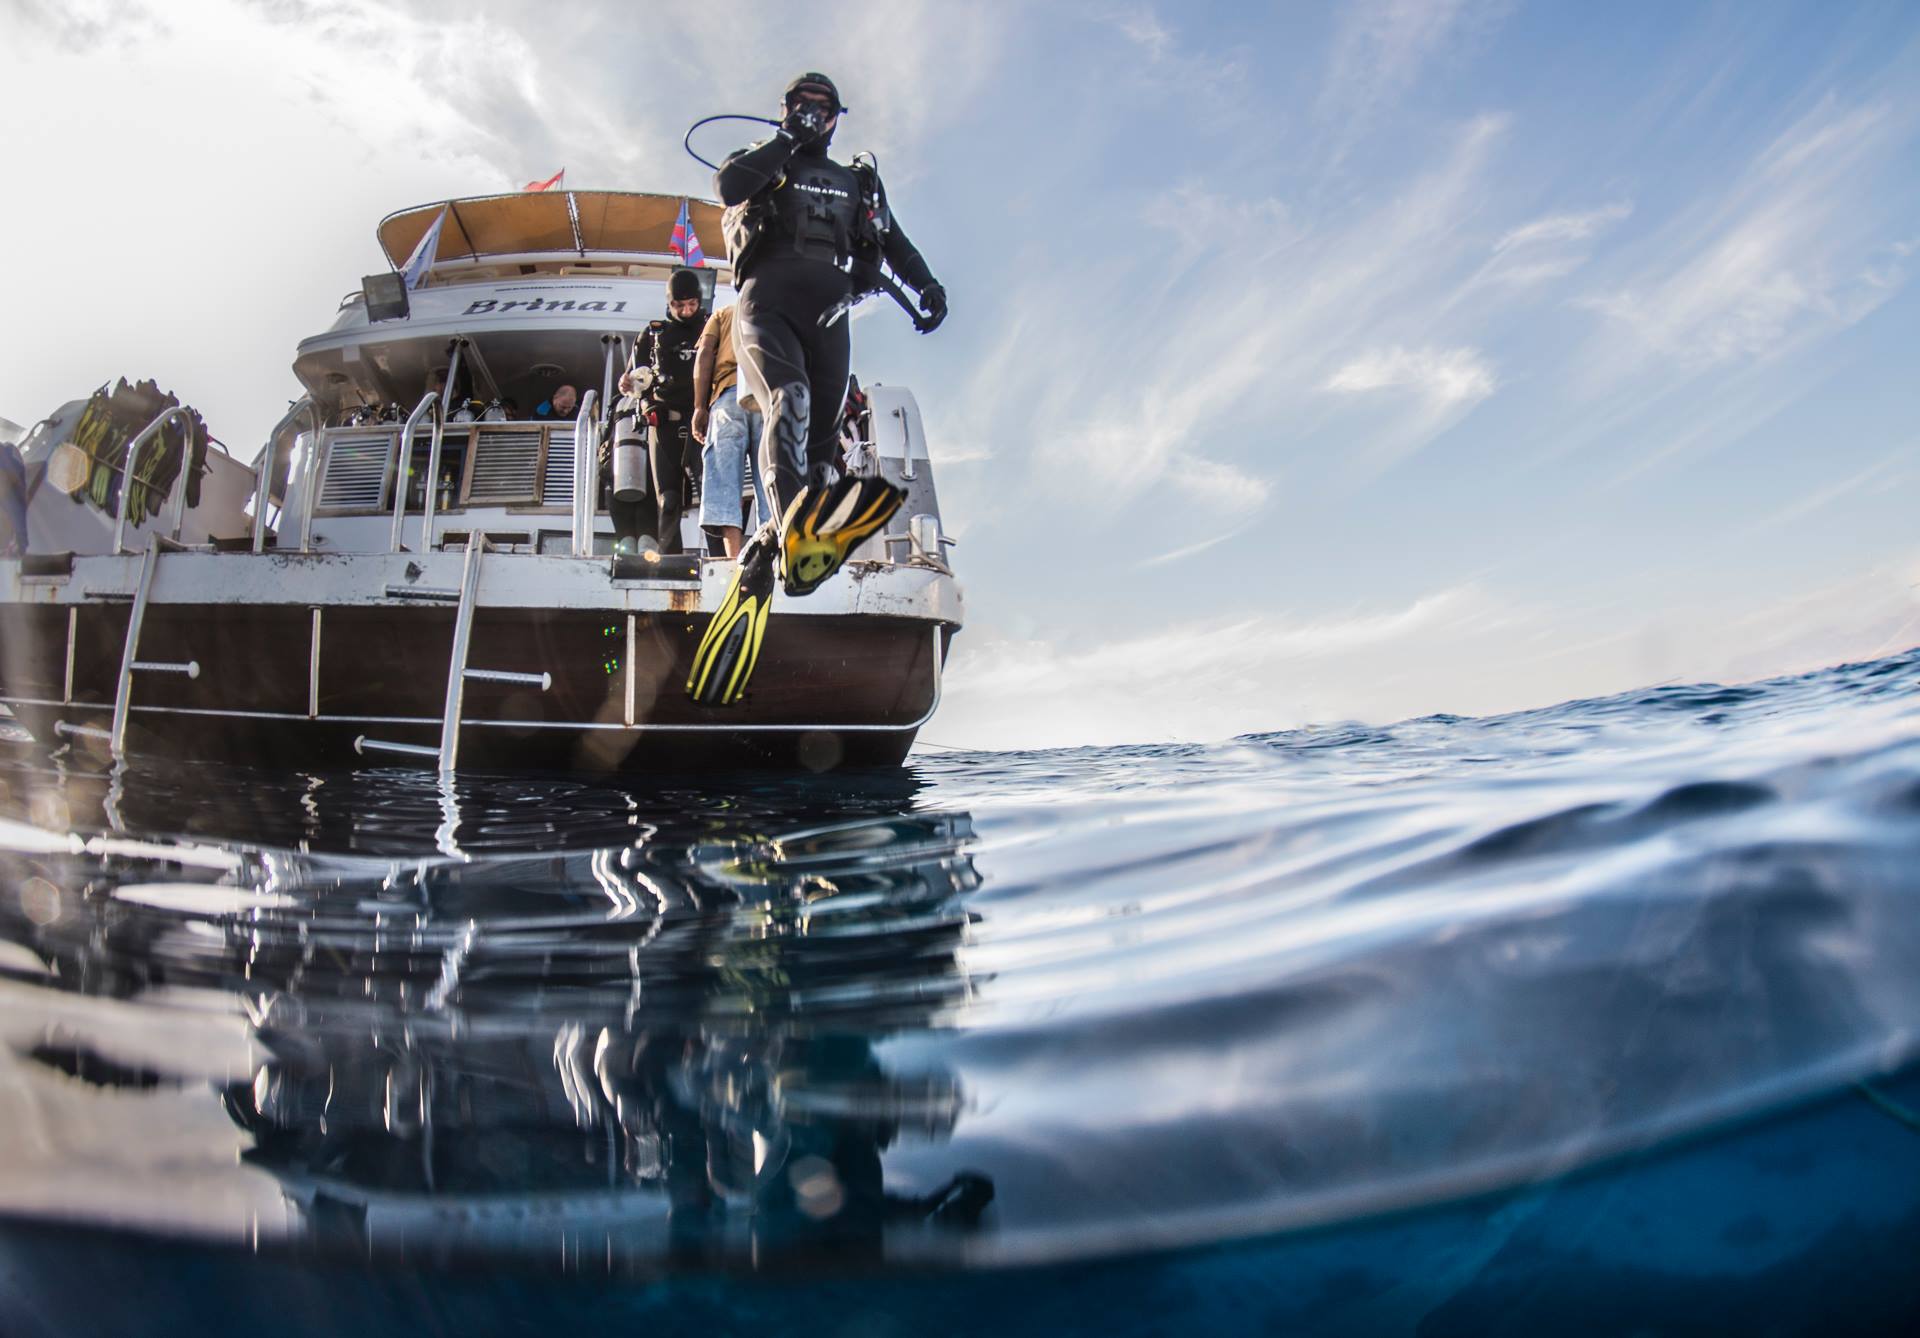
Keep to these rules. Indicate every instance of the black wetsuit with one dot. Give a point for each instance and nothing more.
(791, 273)
(667, 347)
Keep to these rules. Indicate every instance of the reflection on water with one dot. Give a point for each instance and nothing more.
(996, 1009)
(664, 1045)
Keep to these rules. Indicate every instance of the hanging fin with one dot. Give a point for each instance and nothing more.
(723, 663)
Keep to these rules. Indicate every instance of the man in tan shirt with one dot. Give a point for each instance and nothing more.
(727, 433)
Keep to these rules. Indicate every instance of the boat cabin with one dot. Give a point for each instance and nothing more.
(523, 294)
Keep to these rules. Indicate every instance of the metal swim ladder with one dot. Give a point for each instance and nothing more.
(116, 736)
(447, 754)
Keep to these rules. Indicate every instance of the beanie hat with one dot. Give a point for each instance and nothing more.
(814, 82)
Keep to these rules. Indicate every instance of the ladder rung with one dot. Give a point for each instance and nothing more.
(363, 743)
(541, 681)
(191, 668)
(66, 730)
(432, 592)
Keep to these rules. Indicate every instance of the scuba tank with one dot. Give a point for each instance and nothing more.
(629, 452)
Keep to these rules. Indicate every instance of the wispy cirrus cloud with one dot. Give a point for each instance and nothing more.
(1253, 334)
(1204, 680)
(1425, 392)
(1796, 247)
(1447, 379)
(1547, 248)
(1562, 228)
(1892, 470)
(1169, 64)
(1380, 49)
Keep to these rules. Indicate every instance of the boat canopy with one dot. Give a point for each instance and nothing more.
(573, 222)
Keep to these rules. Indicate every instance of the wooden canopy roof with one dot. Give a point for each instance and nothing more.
(562, 222)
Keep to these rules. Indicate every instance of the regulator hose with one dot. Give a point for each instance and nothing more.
(687, 143)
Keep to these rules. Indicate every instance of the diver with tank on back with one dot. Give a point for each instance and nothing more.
(657, 387)
(807, 237)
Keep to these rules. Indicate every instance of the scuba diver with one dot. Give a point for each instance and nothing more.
(660, 377)
(807, 237)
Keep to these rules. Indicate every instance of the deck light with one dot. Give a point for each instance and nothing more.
(386, 296)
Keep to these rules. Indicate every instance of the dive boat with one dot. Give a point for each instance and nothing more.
(400, 575)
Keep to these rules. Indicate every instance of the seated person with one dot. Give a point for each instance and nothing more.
(563, 403)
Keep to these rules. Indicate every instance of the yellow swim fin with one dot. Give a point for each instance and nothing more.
(825, 523)
(724, 661)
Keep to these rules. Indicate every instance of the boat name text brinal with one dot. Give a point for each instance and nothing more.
(489, 306)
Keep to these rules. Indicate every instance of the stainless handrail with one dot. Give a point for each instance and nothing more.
(263, 469)
(429, 404)
(586, 474)
(616, 352)
(309, 485)
(453, 374)
(178, 497)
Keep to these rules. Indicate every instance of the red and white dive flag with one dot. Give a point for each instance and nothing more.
(548, 184)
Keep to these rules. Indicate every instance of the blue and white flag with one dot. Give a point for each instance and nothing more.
(423, 255)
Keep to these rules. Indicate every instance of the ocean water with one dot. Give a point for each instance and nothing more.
(1603, 1017)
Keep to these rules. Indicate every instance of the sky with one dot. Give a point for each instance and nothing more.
(1307, 362)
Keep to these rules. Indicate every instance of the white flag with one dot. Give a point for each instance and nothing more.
(423, 255)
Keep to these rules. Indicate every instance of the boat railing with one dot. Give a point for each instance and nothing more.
(363, 470)
(263, 469)
(429, 405)
(176, 500)
(586, 473)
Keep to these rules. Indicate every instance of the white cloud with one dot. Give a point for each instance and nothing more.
(1218, 678)
(1191, 212)
(1889, 471)
(1206, 680)
(1460, 650)
(1792, 249)
(1141, 26)
(1168, 67)
(1562, 228)
(1452, 378)
(1218, 489)
(1165, 397)
(1194, 549)
(1379, 52)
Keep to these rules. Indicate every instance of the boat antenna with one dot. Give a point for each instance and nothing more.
(687, 143)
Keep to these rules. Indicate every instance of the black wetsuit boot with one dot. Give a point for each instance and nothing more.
(667, 464)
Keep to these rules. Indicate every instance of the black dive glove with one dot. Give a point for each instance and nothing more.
(805, 123)
(933, 305)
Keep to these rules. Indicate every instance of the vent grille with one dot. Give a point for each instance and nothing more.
(556, 485)
(506, 464)
(356, 473)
